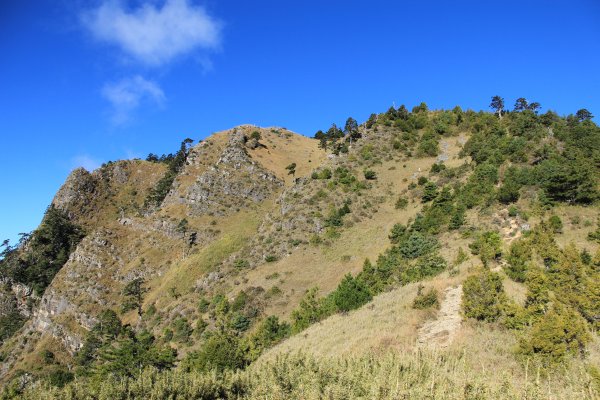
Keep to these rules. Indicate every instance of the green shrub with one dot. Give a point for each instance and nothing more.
(437, 168)
(240, 322)
(47, 356)
(457, 219)
(370, 174)
(59, 377)
(461, 256)
(538, 296)
(274, 275)
(401, 203)
(335, 218)
(559, 333)
(595, 235)
(270, 258)
(269, 332)
(311, 310)
(585, 257)
(518, 256)
(274, 291)
(555, 224)
(423, 300)
(488, 246)
(428, 147)
(325, 173)
(221, 351)
(398, 233)
(255, 135)
(240, 263)
(182, 330)
(417, 245)
(220, 305)
(429, 265)
(483, 296)
(350, 294)
(240, 301)
(509, 191)
(429, 192)
(375, 277)
(203, 305)
(201, 326)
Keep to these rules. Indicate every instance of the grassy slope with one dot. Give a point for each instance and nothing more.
(389, 315)
(325, 266)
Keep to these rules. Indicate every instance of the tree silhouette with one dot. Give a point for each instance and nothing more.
(291, 169)
(134, 293)
(521, 104)
(584, 115)
(498, 105)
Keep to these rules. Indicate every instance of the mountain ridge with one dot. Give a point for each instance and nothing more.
(253, 218)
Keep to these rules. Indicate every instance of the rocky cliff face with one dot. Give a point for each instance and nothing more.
(233, 182)
(219, 180)
(77, 192)
(93, 199)
(104, 201)
(16, 297)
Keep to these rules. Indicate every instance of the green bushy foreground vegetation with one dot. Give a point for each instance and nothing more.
(418, 375)
(562, 306)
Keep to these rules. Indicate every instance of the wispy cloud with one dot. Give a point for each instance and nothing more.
(85, 161)
(127, 95)
(154, 35)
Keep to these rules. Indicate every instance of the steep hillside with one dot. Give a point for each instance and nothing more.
(425, 231)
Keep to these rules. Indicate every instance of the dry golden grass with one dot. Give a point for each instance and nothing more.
(284, 148)
(388, 322)
(578, 222)
(324, 266)
(236, 229)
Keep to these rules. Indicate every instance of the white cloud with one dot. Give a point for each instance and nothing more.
(85, 161)
(126, 95)
(154, 35)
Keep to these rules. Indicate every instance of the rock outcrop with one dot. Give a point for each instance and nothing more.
(77, 192)
(233, 182)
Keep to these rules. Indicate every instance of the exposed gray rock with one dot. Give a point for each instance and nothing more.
(77, 189)
(208, 281)
(16, 297)
(52, 306)
(233, 182)
(120, 173)
(252, 143)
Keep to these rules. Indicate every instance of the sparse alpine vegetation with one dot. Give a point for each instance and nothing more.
(195, 274)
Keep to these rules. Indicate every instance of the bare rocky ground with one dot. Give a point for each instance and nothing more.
(441, 331)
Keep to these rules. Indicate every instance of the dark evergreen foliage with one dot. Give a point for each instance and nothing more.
(42, 254)
(160, 191)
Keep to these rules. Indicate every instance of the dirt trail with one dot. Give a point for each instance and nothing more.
(441, 331)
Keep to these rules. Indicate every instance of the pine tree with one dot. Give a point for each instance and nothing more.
(134, 292)
(351, 294)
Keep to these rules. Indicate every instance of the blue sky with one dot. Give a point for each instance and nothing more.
(83, 82)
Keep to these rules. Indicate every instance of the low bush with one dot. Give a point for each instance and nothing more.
(483, 296)
(350, 294)
(370, 174)
(423, 300)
